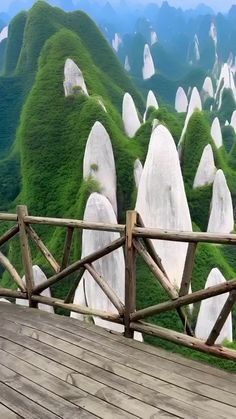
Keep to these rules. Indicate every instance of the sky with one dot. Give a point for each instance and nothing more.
(218, 5)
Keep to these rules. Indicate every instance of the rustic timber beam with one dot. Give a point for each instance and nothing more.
(43, 249)
(225, 312)
(182, 236)
(165, 283)
(188, 269)
(54, 302)
(63, 222)
(4, 292)
(4, 261)
(76, 265)
(67, 248)
(181, 339)
(130, 271)
(25, 251)
(108, 291)
(75, 284)
(8, 217)
(9, 234)
(185, 300)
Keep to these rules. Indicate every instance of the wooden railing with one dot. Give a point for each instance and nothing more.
(136, 240)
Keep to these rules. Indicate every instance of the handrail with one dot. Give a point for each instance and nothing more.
(136, 240)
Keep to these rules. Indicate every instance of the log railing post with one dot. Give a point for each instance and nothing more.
(130, 272)
(22, 212)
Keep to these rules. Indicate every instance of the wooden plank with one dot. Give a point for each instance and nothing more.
(70, 392)
(139, 374)
(181, 339)
(183, 236)
(5, 262)
(93, 338)
(6, 413)
(5, 292)
(43, 249)
(67, 248)
(25, 250)
(63, 222)
(76, 327)
(77, 265)
(224, 314)
(9, 234)
(78, 372)
(108, 291)
(43, 397)
(23, 406)
(130, 272)
(165, 283)
(188, 269)
(7, 217)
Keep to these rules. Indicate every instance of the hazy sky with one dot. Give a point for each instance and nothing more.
(215, 4)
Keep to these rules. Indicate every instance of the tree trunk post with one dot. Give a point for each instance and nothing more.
(130, 272)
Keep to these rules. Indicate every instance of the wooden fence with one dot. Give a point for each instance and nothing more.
(136, 240)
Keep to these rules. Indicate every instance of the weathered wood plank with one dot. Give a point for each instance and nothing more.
(77, 327)
(9, 234)
(138, 373)
(5, 413)
(22, 405)
(79, 374)
(5, 262)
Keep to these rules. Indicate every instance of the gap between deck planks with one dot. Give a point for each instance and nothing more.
(193, 404)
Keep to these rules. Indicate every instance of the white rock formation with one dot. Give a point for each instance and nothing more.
(227, 123)
(162, 201)
(138, 169)
(195, 103)
(130, 116)
(226, 81)
(154, 38)
(210, 310)
(151, 102)
(196, 48)
(116, 42)
(127, 64)
(233, 121)
(222, 216)
(111, 267)
(155, 122)
(79, 299)
(213, 33)
(206, 170)
(39, 277)
(216, 133)
(73, 78)
(4, 33)
(99, 162)
(148, 64)
(181, 100)
(208, 87)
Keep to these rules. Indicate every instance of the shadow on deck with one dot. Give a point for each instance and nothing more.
(53, 366)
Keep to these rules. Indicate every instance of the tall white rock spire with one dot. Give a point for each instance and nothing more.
(207, 87)
(151, 102)
(154, 38)
(138, 169)
(206, 170)
(116, 42)
(181, 100)
(210, 310)
(216, 133)
(99, 162)
(73, 78)
(130, 116)
(148, 64)
(195, 103)
(4, 33)
(162, 202)
(221, 217)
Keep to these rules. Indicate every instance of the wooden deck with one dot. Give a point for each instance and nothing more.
(55, 367)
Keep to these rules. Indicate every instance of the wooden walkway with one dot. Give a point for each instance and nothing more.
(55, 367)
